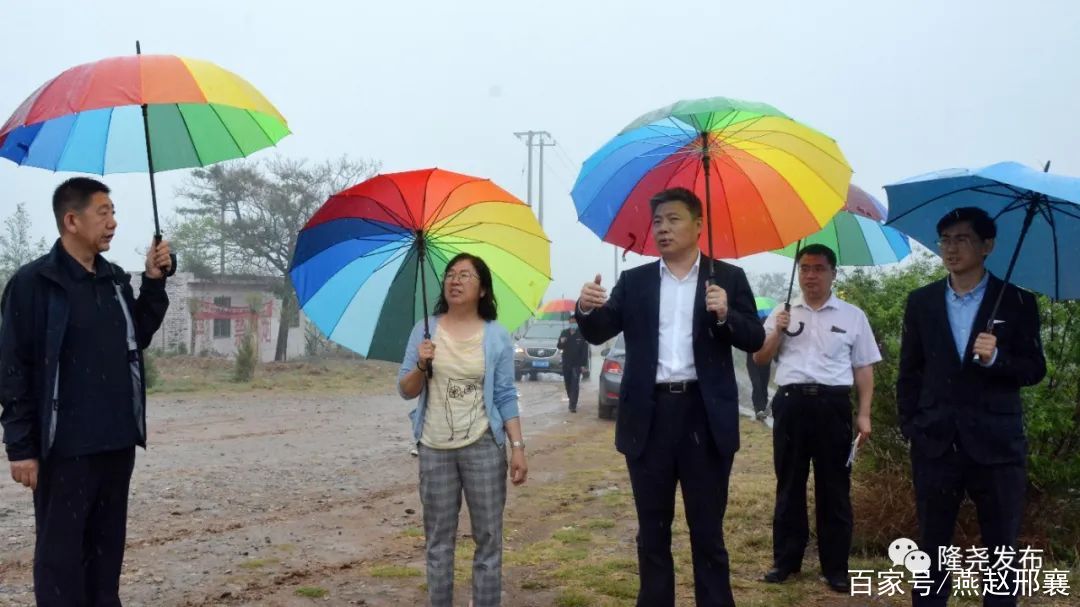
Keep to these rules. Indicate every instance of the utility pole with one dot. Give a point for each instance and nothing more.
(539, 139)
(528, 137)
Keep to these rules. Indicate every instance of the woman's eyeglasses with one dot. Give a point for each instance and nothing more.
(462, 276)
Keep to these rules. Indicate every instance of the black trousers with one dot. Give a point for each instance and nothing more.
(759, 382)
(681, 450)
(572, 380)
(80, 513)
(998, 494)
(818, 429)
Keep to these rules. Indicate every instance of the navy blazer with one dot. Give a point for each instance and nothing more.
(634, 310)
(941, 398)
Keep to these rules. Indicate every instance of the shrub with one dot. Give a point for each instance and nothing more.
(247, 358)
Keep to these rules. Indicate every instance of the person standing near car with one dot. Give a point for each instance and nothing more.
(575, 355)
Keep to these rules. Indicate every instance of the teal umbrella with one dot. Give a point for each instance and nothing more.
(857, 234)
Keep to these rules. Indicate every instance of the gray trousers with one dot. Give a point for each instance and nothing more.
(479, 471)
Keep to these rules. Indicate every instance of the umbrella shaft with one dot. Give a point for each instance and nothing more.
(706, 162)
(794, 266)
(150, 170)
(1032, 209)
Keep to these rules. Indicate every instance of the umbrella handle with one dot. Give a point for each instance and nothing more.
(791, 286)
(990, 330)
(172, 258)
(796, 332)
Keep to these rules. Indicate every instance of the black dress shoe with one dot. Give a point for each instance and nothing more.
(777, 575)
(838, 583)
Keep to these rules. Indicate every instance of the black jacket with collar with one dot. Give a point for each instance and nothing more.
(943, 398)
(574, 348)
(634, 309)
(35, 312)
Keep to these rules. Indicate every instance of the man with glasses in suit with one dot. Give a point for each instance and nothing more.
(958, 398)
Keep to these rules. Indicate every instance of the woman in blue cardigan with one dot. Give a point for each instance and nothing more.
(466, 414)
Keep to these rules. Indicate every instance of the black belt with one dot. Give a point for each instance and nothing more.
(817, 389)
(677, 387)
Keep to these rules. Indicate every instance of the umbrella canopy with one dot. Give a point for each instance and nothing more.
(857, 234)
(369, 263)
(765, 179)
(558, 309)
(765, 305)
(140, 113)
(1037, 215)
(559, 305)
(89, 118)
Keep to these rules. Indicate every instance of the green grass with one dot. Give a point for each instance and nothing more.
(312, 592)
(572, 536)
(570, 598)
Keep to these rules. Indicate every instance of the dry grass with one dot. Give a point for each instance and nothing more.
(197, 374)
(575, 541)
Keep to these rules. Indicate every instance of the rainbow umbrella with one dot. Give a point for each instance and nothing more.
(766, 179)
(140, 113)
(369, 262)
(558, 309)
(858, 234)
(764, 305)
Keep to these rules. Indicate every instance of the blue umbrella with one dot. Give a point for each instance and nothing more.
(1037, 216)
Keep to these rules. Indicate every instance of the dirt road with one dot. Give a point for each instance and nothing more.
(240, 500)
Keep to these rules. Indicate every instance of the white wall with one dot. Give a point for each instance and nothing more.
(177, 326)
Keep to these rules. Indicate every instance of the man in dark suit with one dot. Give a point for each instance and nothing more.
(575, 356)
(678, 416)
(958, 396)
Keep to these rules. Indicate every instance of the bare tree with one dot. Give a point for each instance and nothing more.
(259, 209)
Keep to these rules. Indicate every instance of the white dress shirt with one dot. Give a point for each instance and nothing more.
(836, 339)
(676, 361)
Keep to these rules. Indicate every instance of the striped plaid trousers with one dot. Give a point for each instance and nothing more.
(478, 471)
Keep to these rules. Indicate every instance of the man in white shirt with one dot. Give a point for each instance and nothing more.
(817, 364)
(678, 418)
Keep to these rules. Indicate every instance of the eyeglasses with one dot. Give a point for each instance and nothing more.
(462, 276)
(963, 240)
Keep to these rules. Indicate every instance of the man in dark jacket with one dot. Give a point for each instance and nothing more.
(958, 399)
(575, 356)
(71, 387)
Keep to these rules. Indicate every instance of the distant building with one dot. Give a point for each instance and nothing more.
(211, 315)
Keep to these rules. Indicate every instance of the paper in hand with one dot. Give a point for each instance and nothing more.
(854, 449)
